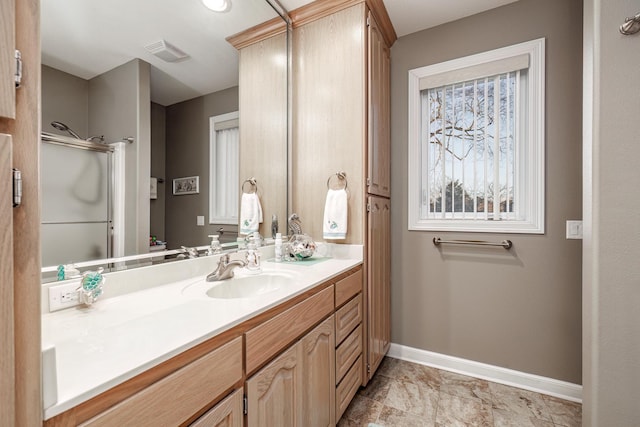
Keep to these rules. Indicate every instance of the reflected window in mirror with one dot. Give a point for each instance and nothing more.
(224, 148)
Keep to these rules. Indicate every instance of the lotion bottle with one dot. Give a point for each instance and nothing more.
(278, 247)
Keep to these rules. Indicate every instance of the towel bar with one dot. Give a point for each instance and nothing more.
(507, 244)
(254, 185)
(341, 177)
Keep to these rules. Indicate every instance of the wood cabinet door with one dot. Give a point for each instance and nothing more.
(379, 282)
(274, 393)
(7, 384)
(227, 413)
(379, 129)
(7, 60)
(319, 367)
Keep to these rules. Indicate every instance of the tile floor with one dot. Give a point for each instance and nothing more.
(404, 394)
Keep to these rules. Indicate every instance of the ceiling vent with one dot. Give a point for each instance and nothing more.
(166, 51)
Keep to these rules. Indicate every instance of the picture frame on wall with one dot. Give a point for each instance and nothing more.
(186, 185)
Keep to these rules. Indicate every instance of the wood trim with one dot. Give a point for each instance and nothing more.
(26, 219)
(7, 62)
(256, 34)
(7, 360)
(176, 397)
(268, 339)
(383, 20)
(321, 8)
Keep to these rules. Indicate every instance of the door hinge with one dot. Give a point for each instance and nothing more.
(18, 75)
(368, 182)
(245, 405)
(17, 187)
(368, 368)
(368, 21)
(368, 207)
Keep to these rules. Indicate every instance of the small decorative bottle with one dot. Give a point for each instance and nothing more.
(253, 258)
(278, 247)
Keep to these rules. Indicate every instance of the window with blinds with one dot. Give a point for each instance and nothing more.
(476, 145)
(224, 164)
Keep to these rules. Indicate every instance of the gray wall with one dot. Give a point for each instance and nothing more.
(158, 159)
(120, 106)
(188, 155)
(65, 98)
(612, 217)
(518, 309)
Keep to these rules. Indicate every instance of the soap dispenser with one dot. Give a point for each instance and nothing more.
(215, 247)
(253, 258)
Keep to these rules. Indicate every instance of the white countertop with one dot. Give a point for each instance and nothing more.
(119, 337)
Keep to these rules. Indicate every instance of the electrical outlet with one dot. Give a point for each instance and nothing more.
(63, 296)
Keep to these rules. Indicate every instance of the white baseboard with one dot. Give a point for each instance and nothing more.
(539, 384)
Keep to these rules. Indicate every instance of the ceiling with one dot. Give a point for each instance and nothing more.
(89, 37)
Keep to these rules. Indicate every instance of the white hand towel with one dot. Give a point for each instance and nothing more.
(335, 215)
(250, 213)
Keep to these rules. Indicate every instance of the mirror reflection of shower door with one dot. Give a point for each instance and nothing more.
(76, 219)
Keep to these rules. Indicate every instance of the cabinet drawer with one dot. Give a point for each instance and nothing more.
(271, 337)
(348, 317)
(348, 287)
(227, 413)
(348, 352)
(348, 387)
(175, 398)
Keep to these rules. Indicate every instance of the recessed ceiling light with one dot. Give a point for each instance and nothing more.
(218, 5)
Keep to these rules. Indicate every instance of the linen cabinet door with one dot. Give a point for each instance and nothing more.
(274, 393)
(379, 282)
(379, 117)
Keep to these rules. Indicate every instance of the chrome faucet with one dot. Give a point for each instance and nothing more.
(191, 253)
(225, 267)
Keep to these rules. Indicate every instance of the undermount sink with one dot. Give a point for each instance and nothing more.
(241, 286)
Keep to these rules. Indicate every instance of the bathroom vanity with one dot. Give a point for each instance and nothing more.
(286, 353)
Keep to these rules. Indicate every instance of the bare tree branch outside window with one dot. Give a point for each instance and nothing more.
(469, 148)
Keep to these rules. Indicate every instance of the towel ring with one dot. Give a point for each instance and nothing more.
(341, 177)
(253, 183)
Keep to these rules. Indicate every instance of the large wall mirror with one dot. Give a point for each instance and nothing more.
(144, 79)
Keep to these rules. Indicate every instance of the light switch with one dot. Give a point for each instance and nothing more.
(200, 220)
(574, 229)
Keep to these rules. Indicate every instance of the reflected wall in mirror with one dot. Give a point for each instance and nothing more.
(100, 80)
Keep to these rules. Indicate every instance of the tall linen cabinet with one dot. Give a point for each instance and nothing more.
(341, 123)
(19, 232)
